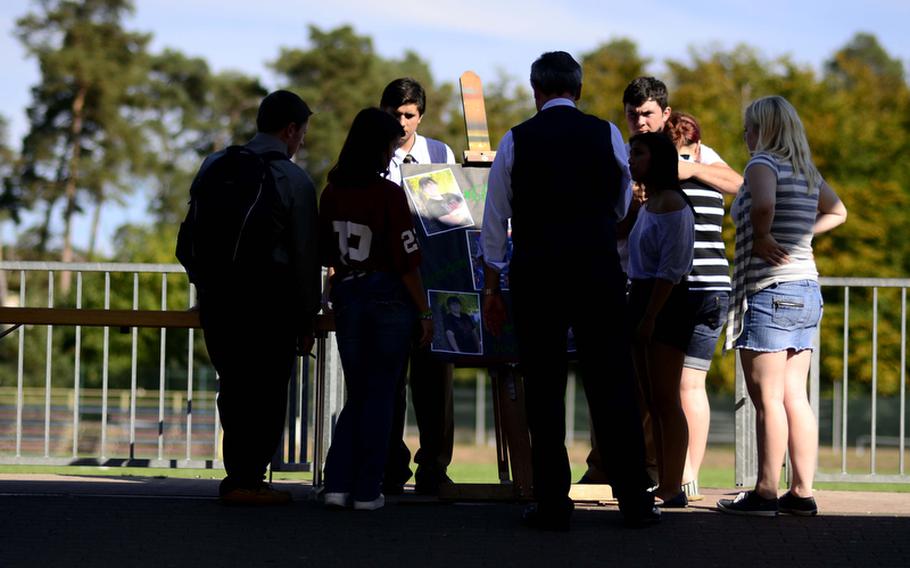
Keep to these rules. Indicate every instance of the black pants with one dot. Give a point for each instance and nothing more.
(596, 311)
(431, 396)
(253, 351)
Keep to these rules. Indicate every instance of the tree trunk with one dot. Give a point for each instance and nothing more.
(44, 232)
(72, 180)
(96, 222)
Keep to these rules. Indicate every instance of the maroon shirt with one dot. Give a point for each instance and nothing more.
(367, 228)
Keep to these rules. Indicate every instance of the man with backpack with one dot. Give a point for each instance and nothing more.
(249, 245)
(430, 379)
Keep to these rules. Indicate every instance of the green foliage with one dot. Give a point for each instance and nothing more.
(9, 199)
(148, 119)
(607, 71)
(81, 143)
(188, 112)
(338, 75)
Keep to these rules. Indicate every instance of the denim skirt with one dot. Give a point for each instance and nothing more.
(782, 317)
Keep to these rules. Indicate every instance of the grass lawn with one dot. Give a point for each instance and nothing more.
(477, 464)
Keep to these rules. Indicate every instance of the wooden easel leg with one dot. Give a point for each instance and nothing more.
(513, 445)
(502, 449)
(512, 428)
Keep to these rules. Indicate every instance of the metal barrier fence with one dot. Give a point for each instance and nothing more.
(133, 432)
(139, 426)
(861, 325)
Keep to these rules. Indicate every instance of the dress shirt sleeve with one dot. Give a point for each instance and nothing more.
(622, 160)
(498, 205)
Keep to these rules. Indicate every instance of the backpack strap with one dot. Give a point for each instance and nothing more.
(437, 151)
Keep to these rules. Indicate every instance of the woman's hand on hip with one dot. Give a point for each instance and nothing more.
(768, 249)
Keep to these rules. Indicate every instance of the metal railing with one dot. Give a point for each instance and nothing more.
(144, 426)
(861, 330)
(119, 428)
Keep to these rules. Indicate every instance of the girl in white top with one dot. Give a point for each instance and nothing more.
(660, 256)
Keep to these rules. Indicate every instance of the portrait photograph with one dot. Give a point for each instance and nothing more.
(457, 322)
(439, 201)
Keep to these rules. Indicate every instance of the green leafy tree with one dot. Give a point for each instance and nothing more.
(80, 143)
(508, 103)
(339, 74)
(187, 113)
(607, 70)
(9, 204)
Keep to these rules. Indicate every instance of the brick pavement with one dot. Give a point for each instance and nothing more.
(93, 521)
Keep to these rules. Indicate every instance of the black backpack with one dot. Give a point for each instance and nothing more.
(235, 220)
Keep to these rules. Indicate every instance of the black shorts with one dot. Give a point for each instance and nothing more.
(674, 323)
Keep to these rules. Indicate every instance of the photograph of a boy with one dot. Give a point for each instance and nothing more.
(460, 331)
(439, 202)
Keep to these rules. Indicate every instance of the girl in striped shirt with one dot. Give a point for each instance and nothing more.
(777, 304)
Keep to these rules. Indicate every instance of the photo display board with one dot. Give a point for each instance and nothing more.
(447, 203)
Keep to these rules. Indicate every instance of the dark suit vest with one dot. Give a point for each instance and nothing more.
(565, 186)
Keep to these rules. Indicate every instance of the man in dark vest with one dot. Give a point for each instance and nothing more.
(563, 179)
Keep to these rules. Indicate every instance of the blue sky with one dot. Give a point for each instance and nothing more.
(486, 37)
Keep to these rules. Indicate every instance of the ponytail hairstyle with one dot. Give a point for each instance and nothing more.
(781, 134)
(682, 128)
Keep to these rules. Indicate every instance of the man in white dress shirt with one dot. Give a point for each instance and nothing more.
(562, 177)
(430, 379)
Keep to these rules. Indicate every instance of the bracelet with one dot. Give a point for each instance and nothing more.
(427, 315)
(491, 291)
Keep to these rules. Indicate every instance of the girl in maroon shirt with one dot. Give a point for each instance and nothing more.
(367, 238)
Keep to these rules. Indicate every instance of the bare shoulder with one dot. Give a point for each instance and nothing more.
(667, 201)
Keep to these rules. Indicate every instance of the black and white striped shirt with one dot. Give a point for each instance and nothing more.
(710, 269)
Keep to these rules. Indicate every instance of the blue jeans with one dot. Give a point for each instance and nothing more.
(375, 320)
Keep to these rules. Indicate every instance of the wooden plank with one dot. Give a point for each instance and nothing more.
(591, 493)
(509, 492)
(479, 152)
(478, 492)
(110, 318)
(479, 158)
(475, 113)
(119, 318)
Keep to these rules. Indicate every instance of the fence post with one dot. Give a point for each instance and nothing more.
(814, 387)
(480, 408)
(746, 471)
(570, 410)
(333, 397)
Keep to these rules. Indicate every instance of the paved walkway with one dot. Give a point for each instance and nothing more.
(50, 520)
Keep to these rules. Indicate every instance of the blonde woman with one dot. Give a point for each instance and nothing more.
(777, 304)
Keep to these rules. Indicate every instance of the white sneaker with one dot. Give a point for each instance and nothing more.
(336, 500)
(376, 503)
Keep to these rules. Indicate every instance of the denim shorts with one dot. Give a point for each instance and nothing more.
(710, 309)
(782, 317)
